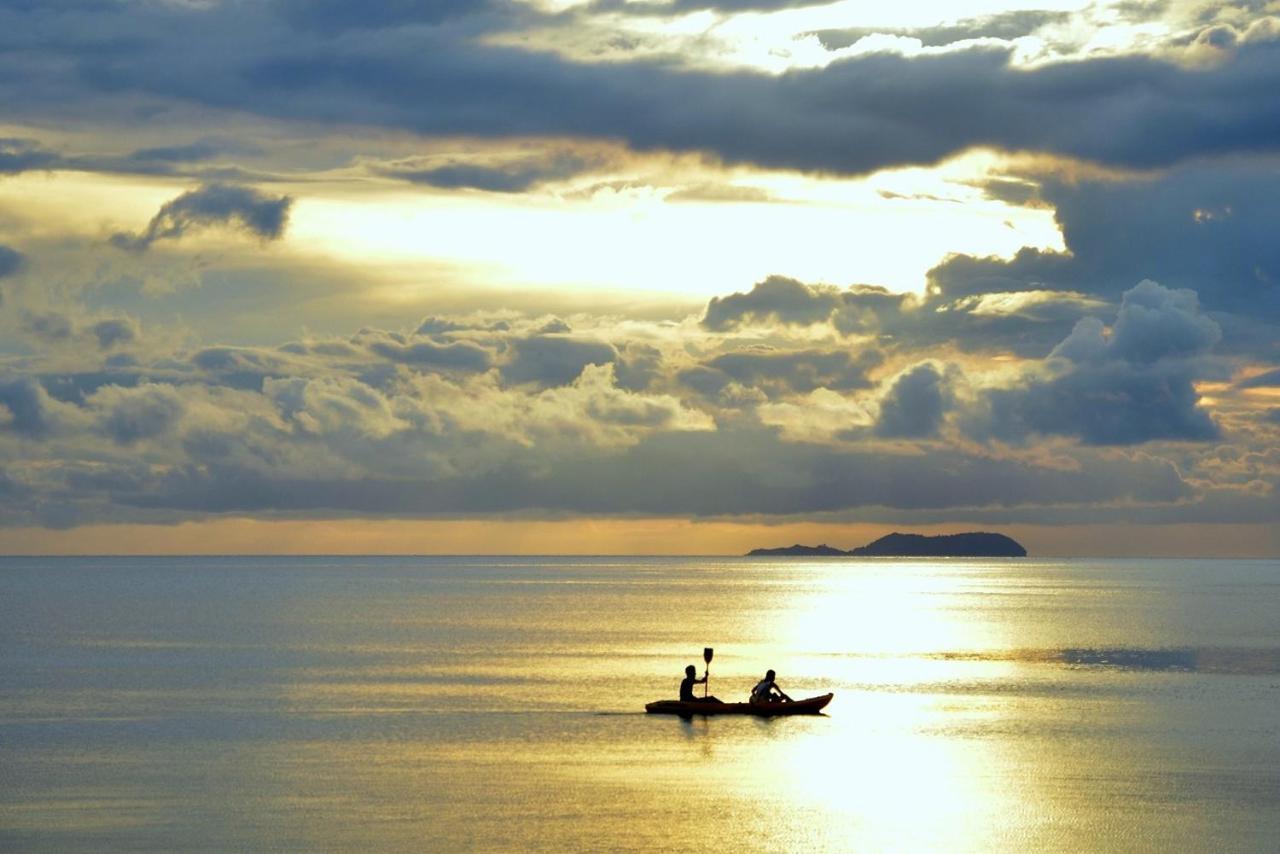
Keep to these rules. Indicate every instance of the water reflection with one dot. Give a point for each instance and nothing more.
(457, 706)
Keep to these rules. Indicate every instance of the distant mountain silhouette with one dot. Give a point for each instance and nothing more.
(970, 544)
(798, 550)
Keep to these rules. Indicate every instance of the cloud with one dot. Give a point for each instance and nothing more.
(779, 372)
(27, 409)
(54, 328)
(1157, 323)
(710, 192)
(1026, 322)
(130, 415)
(115, 331)
(192, 152)
(338, 16)
(50, 326)
(1129, 385)
(438, 326)
(683, 7)
(1268, 379)
(459, 355)
(212, 204)
(1005, 26)
(698, 473)
(777, 298)
(915, 404)
(553, 360)
(514, 176)
(22, 155)
(328, 427)
(432, 72)
(11, 261)
(334, 405)
(1203, 227)
(242, 367)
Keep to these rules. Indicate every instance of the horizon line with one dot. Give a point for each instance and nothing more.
(735, 555)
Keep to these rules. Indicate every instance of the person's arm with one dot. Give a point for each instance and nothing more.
(700, 681)
(781, 693)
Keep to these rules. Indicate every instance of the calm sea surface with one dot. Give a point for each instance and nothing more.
(451, 704)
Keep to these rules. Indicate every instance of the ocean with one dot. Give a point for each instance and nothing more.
(496, 704)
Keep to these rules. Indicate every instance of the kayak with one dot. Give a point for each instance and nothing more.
(811, 706)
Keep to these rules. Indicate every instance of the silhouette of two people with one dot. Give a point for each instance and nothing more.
(765, 691)
(686, 686)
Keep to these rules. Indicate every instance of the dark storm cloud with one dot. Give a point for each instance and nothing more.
(779, 372)
(213, 204)
(1208, 227)
(459, 355)
(512, 177)
(915, 404)
(854, 116)
(1132, 386)
(554, 360)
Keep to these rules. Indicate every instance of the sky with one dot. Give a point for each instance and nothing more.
(667, 276)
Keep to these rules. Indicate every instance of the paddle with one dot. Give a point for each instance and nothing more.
(706, 656)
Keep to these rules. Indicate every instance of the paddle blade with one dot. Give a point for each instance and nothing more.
(706, 654)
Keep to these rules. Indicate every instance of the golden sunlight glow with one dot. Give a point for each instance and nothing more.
(895, 608)
(779, 40)
(238, 535)
(888, 229)
(696, 233)
(53, 203)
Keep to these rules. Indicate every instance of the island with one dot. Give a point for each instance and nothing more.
(970, 544)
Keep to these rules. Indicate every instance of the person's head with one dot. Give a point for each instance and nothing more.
(690, 670)
(770, 675)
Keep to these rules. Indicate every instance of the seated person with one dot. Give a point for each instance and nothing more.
(686, 687)
(767, 691)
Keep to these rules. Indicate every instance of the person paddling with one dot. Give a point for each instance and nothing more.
(686, 687)
(767, 690)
